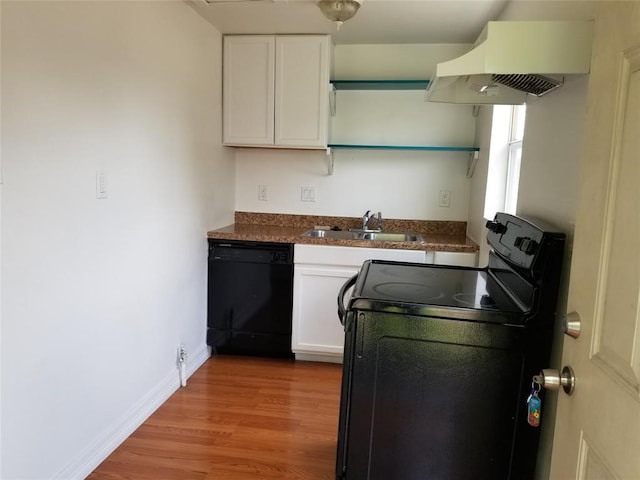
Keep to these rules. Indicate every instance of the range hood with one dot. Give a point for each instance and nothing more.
(512, 60)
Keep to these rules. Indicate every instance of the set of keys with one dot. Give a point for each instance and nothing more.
(534, 404)
(549, 379)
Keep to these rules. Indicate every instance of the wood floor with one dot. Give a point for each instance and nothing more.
(238, 418)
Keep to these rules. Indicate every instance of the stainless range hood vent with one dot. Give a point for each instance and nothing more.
(537, 85)
(511, 60)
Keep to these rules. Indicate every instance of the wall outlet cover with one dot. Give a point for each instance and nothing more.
(445, 198)
(263, 193)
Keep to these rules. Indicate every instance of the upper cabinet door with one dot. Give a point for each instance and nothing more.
(248, 90)
(302, 90)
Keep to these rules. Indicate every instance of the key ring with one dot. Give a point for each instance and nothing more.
(535, 387)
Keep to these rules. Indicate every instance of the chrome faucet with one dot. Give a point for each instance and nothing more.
(367, 219)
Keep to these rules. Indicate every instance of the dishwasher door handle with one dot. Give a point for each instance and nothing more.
(343, 291)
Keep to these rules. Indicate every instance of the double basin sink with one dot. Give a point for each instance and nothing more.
(364, 235)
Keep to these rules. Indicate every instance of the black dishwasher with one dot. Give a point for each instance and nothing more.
(250, 298)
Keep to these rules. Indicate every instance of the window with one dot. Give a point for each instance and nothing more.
(516, 135)
(503, 176)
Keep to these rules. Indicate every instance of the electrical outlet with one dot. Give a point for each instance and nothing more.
(263, 193)
(182, 364)
(445, 198)
(182, 354)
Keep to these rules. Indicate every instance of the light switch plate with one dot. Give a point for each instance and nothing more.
(307, 194)
(101, 185)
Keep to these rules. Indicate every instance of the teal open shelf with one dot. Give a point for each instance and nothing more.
(380, 84)
(405, 147)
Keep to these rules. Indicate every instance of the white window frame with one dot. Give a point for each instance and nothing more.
(503, 176)
(516, 139)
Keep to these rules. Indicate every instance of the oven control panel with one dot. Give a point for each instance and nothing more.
(519, 240)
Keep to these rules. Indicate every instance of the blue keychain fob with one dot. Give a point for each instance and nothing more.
(533, 415)
(534, 405)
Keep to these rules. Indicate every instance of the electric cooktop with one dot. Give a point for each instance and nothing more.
(409, 286)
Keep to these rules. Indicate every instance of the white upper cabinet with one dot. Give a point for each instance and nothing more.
(302, 91)
(248, 90)
(276, 90)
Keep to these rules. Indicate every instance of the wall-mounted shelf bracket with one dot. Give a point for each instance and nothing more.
(473, 160)
(332, 99)
(476, 111)
(331, 160)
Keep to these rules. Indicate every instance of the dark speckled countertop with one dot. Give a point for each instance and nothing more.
(284, 228)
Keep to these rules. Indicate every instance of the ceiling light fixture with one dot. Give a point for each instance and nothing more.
(339, 11)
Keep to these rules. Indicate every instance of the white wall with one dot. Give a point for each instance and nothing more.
(401, 184)
(549, 178)
(397, 62)
(475, 225)
(0, 244)
(98, 294)
(551, 151)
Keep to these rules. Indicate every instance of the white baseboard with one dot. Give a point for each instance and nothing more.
(97, 451)
(319, 357)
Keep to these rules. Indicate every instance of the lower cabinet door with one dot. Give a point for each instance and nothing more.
(459, 259)
(316, 326)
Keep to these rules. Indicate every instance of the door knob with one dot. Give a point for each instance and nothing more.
(551, 379)
(572, 324)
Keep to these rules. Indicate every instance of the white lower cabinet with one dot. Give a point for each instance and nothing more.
(317, 332)
(459, 259)
(320, 271)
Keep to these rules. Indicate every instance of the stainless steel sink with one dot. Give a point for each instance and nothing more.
(391, 237)
(355, 235)
(339, 234)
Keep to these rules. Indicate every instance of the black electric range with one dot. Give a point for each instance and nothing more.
(439, 359)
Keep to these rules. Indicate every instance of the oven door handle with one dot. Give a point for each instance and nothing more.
(342, 312)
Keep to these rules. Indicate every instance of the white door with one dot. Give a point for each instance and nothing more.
(597, 432)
